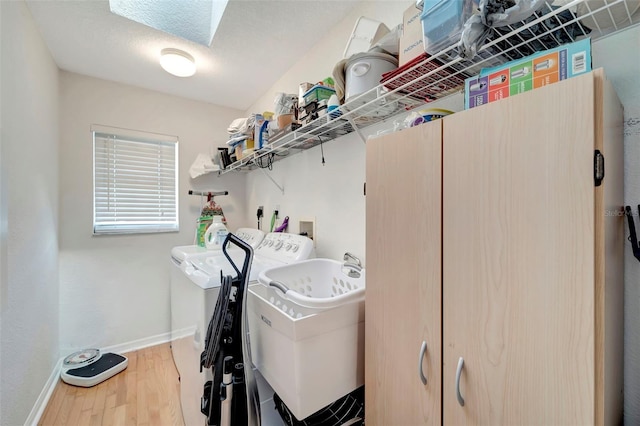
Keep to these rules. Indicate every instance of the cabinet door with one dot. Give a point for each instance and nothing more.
(403, 300)
(518, 259)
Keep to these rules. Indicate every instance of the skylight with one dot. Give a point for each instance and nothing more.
(195, 20)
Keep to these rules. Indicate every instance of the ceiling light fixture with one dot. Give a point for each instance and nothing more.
(177, 62)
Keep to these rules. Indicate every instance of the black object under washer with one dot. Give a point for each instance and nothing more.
(347, 410)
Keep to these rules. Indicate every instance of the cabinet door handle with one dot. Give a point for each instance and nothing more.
(458, 374)
(423, 350)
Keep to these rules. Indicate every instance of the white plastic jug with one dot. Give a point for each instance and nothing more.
(216, 234)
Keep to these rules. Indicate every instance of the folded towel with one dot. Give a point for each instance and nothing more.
(237, 125)
(242, 125)
(202, 165)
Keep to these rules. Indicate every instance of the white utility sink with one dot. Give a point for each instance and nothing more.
(306, 326)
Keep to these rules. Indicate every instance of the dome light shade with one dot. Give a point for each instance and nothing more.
(177, 62)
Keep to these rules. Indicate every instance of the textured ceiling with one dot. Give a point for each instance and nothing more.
(256, 42)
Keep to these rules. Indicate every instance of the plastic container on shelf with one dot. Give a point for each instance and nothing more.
(443, 21)
(318, 93)
(442, 25)
(365, 33)
(364, 71)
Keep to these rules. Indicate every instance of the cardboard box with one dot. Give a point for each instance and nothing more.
(523, 75)
(411, 41)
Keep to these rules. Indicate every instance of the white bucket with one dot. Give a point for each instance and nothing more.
(365, 70)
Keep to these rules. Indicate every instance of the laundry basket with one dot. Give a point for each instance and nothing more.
(307, 332)
(314, 284)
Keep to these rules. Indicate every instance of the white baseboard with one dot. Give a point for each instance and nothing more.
(47, 391)
(138, 344)
(45, 395)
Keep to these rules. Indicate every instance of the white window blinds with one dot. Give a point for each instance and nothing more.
(135, 181)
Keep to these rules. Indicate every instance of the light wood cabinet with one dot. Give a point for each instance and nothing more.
(403, 299)
(488, 239)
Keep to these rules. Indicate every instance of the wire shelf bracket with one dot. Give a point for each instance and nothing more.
(281, 188)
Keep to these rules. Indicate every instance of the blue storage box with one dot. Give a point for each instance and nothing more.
(443, 21)
(318, 93)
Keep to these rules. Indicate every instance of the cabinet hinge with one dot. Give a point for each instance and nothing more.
(598, 167)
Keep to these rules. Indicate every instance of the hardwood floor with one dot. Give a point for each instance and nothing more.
(146, 393)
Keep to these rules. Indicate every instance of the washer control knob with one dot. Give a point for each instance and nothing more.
(270, 243)
(287, 247)
(295, 248)
(278, 245)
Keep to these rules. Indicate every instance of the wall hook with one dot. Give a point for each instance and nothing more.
(633, 238)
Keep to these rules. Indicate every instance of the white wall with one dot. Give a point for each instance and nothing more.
(333, 193)
(114, 289)
(618, 54)
(29, 194)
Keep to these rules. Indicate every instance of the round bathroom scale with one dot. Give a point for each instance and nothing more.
(89, 367)
(81, 358)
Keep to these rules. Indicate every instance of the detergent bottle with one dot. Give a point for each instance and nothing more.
(216, 234)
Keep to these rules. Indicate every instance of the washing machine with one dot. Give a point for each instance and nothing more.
(195, 284)
(251, 236)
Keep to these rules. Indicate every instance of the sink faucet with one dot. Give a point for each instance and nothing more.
(354, 267)
(355, 260)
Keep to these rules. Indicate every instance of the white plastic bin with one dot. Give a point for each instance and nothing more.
(308, 343)
(311, 361)
(365, 33)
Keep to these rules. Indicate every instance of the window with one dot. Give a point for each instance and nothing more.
(135, 181)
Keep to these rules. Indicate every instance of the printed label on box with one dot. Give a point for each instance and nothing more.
(532, 72)
(411, 44)
(477, 92)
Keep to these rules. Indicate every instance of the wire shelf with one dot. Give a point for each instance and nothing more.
(428, 78)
